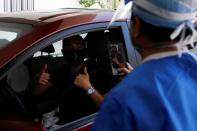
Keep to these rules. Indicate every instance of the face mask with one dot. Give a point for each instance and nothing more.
(75, 56)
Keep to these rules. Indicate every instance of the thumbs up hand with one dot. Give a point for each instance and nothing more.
(43, 80)
(44, 69)
(82, 80)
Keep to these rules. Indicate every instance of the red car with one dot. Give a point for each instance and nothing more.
(36, 38)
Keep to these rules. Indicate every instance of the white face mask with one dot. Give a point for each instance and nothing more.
(123, 11)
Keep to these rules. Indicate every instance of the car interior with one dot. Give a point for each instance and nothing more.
(72, 103)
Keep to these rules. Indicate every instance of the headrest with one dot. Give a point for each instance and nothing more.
(96, 43)
(48, 49)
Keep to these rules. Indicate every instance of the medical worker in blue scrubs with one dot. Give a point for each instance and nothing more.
(161, 93)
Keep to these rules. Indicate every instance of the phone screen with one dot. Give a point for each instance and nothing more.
(117, 60)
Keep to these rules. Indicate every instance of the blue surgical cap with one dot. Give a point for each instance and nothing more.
(165, 13)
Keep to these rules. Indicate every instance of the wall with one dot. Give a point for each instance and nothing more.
(16, 5)
(54, 4)
(1, 6)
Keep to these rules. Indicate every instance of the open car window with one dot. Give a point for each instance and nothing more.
(104, 51)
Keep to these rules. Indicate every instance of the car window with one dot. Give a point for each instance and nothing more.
(100, 61)
(11, 31)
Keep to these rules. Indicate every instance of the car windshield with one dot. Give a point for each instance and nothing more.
(12, 31)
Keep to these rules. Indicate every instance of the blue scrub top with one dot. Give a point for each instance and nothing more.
(159, 95)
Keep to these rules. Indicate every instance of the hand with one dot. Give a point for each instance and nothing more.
(82, 80)
(125, 70)
(43, 80)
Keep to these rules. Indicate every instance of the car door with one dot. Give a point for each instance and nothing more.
(100, 42)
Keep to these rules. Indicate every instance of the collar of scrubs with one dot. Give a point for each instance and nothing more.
(161, 55)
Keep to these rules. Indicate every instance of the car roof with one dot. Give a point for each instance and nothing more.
(45, 23)
(35, 17)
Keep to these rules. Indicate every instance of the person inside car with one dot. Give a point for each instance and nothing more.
(60, 84)
(71, 82)
(57, 87)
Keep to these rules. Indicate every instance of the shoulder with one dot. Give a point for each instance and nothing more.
(154, 74)
(146, 79)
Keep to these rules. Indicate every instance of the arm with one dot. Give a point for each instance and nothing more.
(96, 97)
(83, 82)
